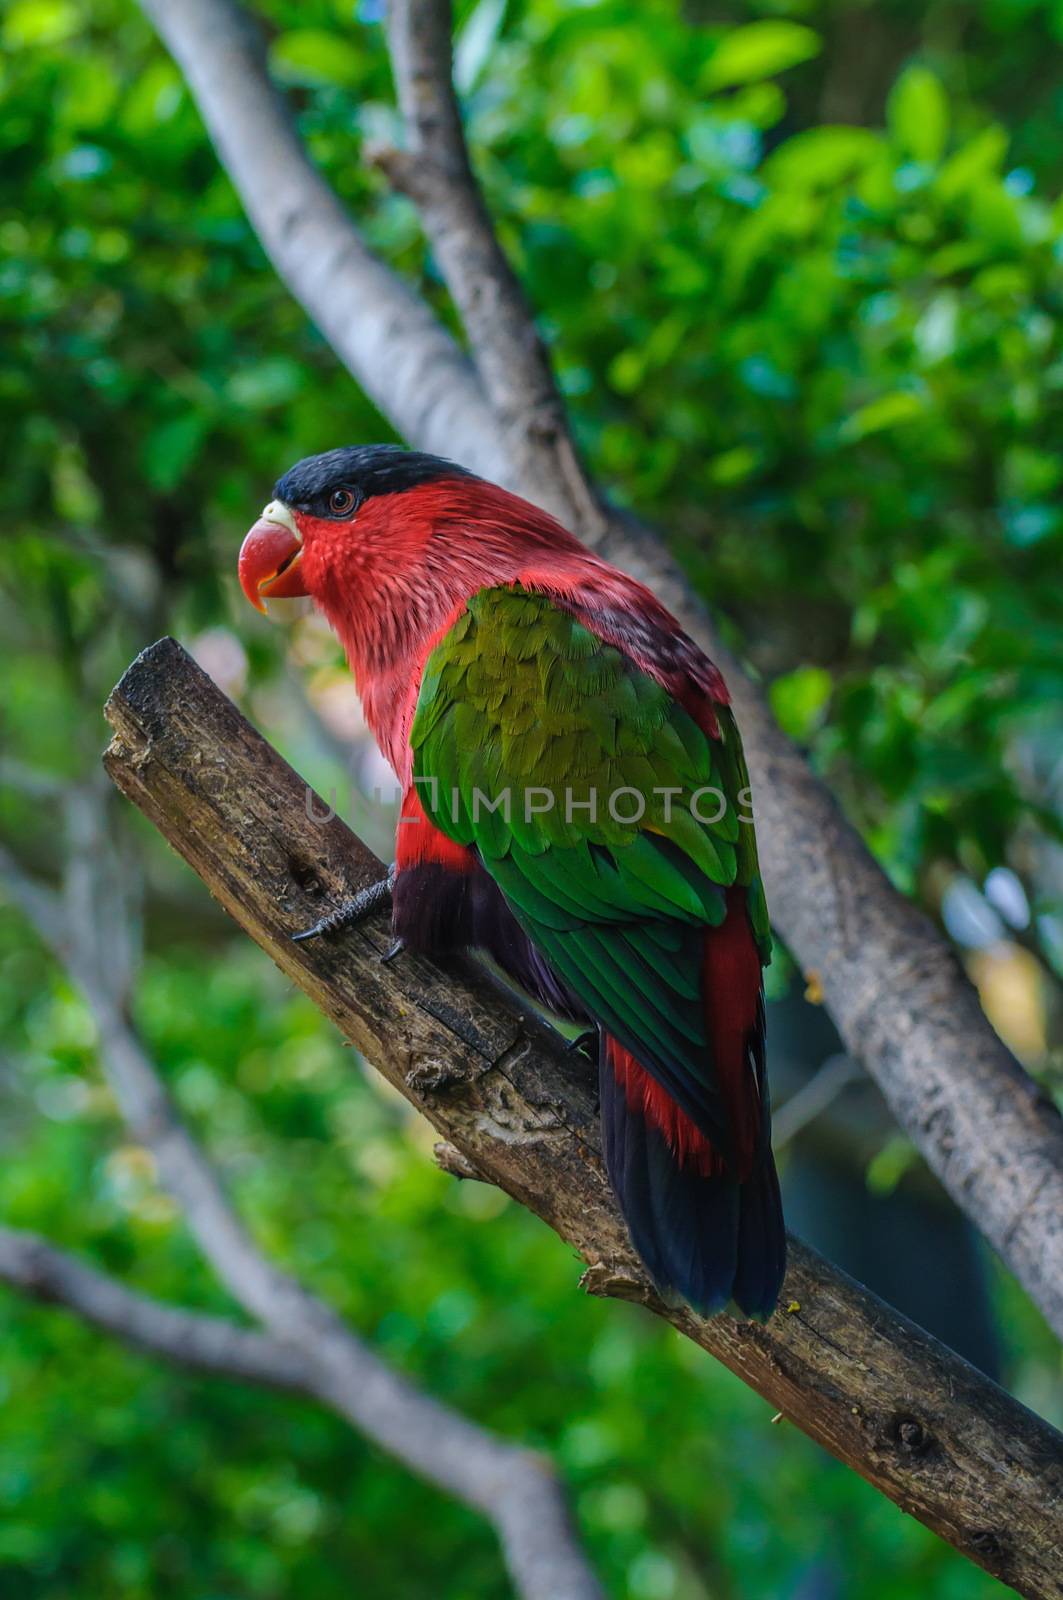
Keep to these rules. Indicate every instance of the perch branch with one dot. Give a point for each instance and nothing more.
(519, 1111)
(900, 1000)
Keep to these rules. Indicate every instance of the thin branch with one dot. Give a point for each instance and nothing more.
(185, 1338)
(516, 1490)
(899, 998)
(29, 781)
(813, 1098)
(520, 1111)
(435, 172)
(40, 905)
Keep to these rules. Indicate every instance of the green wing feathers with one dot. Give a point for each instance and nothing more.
(609, 820)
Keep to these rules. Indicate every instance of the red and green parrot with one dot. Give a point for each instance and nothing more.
(576, 804)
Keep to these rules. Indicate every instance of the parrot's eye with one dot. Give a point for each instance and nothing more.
(341, 501)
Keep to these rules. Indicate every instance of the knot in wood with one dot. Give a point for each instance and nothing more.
(911, 1437)
(428, 1074)
(304, 875)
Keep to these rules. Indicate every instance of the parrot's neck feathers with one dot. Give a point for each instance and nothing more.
(410, 563)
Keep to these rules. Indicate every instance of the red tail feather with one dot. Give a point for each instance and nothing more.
(731, 986)
(646, 1097)
(731, 980)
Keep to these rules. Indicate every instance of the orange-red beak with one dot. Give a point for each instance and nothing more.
(271, 556)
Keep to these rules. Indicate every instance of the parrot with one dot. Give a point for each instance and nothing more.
(575, 805)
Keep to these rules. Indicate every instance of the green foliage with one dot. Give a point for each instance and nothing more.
(919, 115)
(799, 700)
(808, 320)
(843, 341)
(122, 1478)
(746, 55)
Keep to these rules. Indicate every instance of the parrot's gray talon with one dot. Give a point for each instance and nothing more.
(394, 950)
(353, 911)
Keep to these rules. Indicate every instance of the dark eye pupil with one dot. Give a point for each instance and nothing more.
(342, 500)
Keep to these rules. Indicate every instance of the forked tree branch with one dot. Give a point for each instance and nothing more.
(899, 998)
(388, 338)
(514, 1488)
(516, 1109)
(306, 1346)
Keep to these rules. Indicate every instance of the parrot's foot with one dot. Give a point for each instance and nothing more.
(353, 911)
(394, 950)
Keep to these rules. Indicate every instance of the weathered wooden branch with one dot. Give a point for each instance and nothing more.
(515, 1108)
(900, 1000)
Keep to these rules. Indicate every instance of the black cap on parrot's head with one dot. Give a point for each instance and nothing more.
(335, 483)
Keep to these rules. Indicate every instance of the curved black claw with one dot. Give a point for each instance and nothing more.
(353, 911)
(586, 1043)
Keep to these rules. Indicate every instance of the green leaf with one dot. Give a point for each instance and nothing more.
(734, 466)
(39, 22)
(474, 43)
(981, 157)
(170, 450)
(995, 216)
(918, 115)
(761, 104)
(799, 700)
(627, 369)
(312, 56)
(956, 257)
(886, 412)
(153, 99)
(886, 1169)
(822, 156)
(759, 50)
(261, 384)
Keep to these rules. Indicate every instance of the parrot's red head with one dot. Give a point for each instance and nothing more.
(345, 516)
(387, 541)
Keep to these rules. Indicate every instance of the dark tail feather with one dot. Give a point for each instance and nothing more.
(761, 1240)
(710, 1239)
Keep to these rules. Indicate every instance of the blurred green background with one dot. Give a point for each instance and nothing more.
(801, 264)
